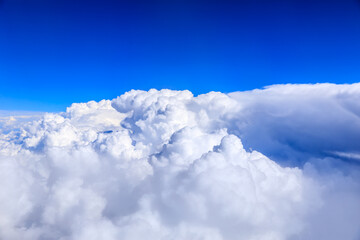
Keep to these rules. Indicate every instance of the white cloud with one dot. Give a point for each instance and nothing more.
(167, 165)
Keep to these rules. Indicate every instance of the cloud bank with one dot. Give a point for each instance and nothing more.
(271, 164)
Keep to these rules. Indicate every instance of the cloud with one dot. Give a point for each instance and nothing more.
(168, 165)
(9, 120)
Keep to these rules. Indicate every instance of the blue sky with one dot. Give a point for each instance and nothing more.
(53, 53)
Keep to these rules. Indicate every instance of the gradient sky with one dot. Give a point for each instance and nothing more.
(55, 52)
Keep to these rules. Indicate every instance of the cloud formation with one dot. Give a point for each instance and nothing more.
(168, 165)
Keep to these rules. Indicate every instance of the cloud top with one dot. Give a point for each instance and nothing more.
(168, 165)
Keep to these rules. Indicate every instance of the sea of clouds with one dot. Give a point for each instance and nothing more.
(272, 164)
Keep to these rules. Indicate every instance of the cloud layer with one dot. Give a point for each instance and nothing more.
(168, 165)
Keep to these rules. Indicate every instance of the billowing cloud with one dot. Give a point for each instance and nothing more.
(168, 165)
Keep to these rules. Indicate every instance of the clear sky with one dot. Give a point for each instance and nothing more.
(55, 52)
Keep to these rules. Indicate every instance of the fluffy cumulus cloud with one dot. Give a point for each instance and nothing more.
(272, 164)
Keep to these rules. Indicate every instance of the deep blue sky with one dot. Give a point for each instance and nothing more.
(55, 52)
